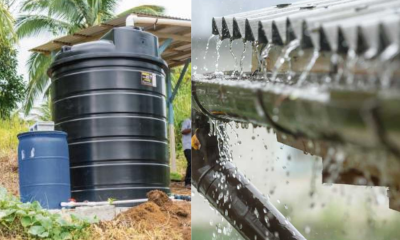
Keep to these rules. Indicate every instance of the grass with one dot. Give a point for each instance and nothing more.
(9, 129)
(176, 176)
(114, 230)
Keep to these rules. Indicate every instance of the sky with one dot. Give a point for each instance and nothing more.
(178, 8)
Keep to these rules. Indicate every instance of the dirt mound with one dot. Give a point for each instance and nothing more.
(159, 198)
(160, 212)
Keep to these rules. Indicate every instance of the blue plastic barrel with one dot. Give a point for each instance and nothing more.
(43, 162)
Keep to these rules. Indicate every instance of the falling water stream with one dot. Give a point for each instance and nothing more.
(263, 59)
(284, 57)
(208, 46)
(351, 61)
(234, 57)
(386, 73)
(243, 57)
(217, 47)
(309, 66)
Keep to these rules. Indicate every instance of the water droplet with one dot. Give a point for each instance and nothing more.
(220, 196)
(256, 213)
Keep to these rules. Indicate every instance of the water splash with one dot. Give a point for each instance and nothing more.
(351, 62)
(386, 73)
(208, 45)
(309, 66)
(217, 47)
(243, 57)
(262, 59)
(234, 57)
(257, 53)
(284, 57)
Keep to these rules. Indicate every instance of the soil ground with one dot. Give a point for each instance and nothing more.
(158, 219)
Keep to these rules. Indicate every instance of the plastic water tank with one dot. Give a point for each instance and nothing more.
(43, 165)
(110, 97)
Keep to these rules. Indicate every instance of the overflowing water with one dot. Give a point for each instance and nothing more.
(242, 58)
(285, 57)
(218, 46)
(345, 71)
(208, 46)
(351, 61)
(309, 66)
(234, 57)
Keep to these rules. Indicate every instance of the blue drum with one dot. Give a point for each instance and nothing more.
(43, 162)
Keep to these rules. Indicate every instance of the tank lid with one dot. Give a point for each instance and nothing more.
(127, 42)
(41, 133)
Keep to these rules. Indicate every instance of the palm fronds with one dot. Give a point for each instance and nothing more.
(38, 80)
(7, 34)
(147, 9)
(34, 25)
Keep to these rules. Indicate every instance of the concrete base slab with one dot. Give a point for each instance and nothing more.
(103, 213)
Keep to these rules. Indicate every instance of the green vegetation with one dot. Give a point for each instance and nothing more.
(12, 88)
(30, 219)
(146, 9)
(7, 34)
(182, 110)
(174, 176)
(9, 129)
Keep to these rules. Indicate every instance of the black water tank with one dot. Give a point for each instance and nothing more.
(109, 96)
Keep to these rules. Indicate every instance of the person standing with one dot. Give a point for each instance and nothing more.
(186, 131)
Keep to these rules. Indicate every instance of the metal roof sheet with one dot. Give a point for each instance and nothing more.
(179, 29)
(362, 24)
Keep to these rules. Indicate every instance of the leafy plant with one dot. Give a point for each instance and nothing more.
(174, 176)
(146, 9)
(33, 222)
(44, 110)
(111, 200)
(7, 34)
(12, 89)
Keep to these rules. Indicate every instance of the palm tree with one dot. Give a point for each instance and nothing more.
(60, 17)
(7, 34)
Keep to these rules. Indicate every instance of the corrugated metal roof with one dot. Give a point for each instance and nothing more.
(179, 29)
(326, 25)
